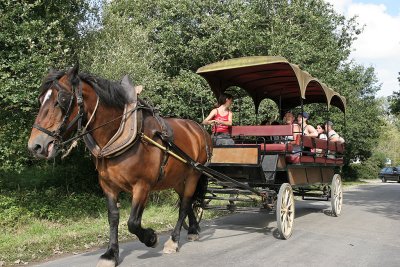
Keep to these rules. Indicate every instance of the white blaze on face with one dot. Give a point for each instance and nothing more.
(47, 96)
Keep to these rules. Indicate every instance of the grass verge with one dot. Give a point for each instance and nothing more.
(33, 239)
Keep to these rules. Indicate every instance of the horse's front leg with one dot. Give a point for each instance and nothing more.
(172, 245)
(139, 199)
(111, 256)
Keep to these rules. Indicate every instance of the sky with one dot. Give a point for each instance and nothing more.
(379, 44)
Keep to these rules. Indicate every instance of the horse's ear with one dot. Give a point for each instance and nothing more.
(73, 73)
(75, 69)
(138, 89)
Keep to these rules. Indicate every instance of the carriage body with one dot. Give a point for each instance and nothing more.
(273, 159)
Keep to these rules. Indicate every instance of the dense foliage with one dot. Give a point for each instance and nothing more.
(168, 41)
(34, 36)
(162, 43)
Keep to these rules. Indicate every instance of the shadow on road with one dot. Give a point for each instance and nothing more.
(380, 199)
(244, 222)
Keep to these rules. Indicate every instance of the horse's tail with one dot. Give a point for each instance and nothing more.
(201, 189)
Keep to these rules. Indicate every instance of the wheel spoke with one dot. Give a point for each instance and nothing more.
(290, 204)
(336, 195)
(287, 198)
(285, 211)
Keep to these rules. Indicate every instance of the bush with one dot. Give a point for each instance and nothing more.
(17, 208)
(368, 169)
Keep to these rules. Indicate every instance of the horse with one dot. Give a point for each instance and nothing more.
(69, 99)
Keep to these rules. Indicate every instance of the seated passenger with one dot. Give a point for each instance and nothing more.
(321, 135)
(221, 120)
(308, 129)
(321, 132)
(332, 135)
(289, 120)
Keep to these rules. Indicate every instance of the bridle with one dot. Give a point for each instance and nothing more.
(67, 105)
(65, 100)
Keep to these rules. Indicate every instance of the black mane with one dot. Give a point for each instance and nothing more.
(110, 93)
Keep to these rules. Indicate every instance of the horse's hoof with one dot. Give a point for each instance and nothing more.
(106, 263)
(170, 247)
(193, 237)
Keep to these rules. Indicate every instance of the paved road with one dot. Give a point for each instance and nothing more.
(366, 234)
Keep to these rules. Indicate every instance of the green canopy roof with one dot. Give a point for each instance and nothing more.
(270, 77)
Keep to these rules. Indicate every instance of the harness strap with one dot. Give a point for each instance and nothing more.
(148, 139)
(40, 128)
(163, 164)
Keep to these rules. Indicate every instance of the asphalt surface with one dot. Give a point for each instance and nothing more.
(366, 234)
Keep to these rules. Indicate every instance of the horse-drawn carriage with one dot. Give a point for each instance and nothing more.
(271, 161)
(136, 150)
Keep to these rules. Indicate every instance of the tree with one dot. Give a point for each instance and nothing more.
(34, 35)
(394, 101)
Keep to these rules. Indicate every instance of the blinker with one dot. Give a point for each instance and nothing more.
(63, 99)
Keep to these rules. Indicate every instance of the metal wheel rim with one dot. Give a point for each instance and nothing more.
(337, 195)
(285, 211)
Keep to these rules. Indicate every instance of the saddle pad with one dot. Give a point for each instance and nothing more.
(125, 136)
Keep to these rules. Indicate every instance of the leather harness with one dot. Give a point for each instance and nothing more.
(129, 132)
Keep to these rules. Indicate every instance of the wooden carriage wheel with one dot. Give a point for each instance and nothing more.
(336, 195)
(285, 211)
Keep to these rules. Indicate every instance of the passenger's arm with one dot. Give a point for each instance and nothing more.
(208, 120)
(311, 131)
(333, 137)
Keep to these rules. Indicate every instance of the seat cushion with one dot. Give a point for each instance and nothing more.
(296, 158)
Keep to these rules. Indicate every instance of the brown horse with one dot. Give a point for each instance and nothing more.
(68, 101)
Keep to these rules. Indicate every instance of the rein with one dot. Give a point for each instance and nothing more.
(78, 136)
(77, 92)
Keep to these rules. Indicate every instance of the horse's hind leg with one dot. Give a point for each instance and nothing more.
(172, 245)
(194, 228)
(139, 199)
(111, 256)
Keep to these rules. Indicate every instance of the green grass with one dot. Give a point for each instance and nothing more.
(51, 210)
(36, 239)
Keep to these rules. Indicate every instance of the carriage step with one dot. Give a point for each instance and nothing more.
(315, 196)
(239, 209)
(230, 199)
(228, 191)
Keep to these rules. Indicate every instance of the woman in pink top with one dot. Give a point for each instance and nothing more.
(221, 120)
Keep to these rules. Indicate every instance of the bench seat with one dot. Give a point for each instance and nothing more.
(315, 150)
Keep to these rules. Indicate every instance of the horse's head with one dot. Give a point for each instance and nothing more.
(58, 113)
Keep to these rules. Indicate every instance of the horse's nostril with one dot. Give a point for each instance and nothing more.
(37, 148)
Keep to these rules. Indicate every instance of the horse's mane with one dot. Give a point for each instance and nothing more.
(110, 93)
